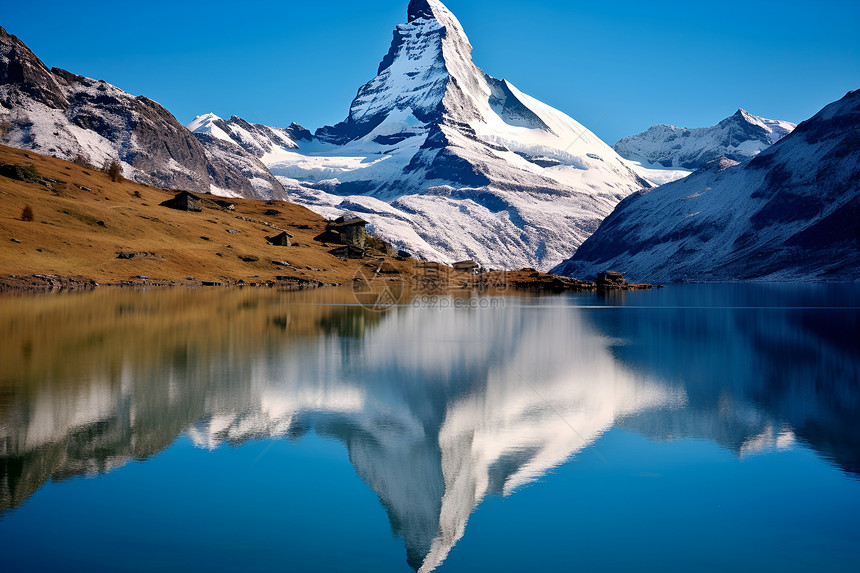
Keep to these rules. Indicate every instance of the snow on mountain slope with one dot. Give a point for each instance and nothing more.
(739, 137)
(791, 213)
(450, 163)
(656, 174)
(64, 115)
(261, 141)
(247, 175)
(246, 146)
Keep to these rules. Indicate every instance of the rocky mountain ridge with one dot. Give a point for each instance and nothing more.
(64, 115)
(791, 213)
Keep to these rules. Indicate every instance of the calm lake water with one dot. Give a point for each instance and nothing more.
(697, 428)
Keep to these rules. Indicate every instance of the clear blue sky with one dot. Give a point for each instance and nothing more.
(616, 66)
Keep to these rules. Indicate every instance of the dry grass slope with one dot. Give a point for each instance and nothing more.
(84, 220)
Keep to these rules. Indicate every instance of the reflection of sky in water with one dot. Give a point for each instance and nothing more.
(443, 411)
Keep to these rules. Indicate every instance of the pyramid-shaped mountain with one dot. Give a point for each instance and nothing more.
(450, 163)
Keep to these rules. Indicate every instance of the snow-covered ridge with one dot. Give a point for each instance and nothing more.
(262, 141)
(739, 137)
(790, 213)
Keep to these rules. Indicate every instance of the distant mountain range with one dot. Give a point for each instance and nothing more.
(739, 138)
(259, 140)
(791, 213)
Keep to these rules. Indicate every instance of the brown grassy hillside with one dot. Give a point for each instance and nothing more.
(81, 224)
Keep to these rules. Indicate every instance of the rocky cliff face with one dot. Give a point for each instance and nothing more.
(65, 115)
(789, 214)
(739, 137)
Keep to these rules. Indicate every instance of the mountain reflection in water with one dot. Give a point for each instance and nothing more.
(438, 409)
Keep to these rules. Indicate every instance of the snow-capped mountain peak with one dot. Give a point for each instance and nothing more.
(424, 9)
(208, 124)
(203, 123)
(774, 128)
(451, 163)
(264, 142)
(429, 57)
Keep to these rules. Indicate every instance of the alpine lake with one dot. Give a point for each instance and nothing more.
(695, 428)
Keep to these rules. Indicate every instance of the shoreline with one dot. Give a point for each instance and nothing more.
(523, 280)
(47, 284)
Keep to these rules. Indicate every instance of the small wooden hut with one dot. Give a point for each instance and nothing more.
(185, 201)
(352, 231)
(281, 240)
(348, 252)
(469, 266)
(611, 278)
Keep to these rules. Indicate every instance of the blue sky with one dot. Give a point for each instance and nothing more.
(617, 67)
